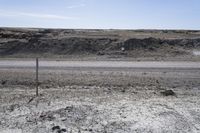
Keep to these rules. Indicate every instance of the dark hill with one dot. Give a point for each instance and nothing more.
(127, 43)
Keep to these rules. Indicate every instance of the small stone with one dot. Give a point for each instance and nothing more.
(168, 93)
(63, 130)
(3, 82)
(56, 128)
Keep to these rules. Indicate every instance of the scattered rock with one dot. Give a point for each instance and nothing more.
(69, 108)
(47, 86)
(3, 82)
(168, 93)
(63, 130)
(48, 117)
(100, 53)
(13, 107)
(123, 90)
(56, 128)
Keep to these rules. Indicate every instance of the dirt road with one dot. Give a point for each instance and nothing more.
(97, 64)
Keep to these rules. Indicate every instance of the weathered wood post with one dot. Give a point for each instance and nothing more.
(37, 84)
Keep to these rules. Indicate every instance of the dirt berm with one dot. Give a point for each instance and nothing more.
(121, 43)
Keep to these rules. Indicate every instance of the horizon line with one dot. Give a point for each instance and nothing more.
(63, 28)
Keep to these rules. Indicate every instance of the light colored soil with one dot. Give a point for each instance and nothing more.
(98, 64)
(100, 100)
(197, 53)
(99, 109)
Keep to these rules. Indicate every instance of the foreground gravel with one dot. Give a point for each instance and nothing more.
(100, 100)
(99, 109)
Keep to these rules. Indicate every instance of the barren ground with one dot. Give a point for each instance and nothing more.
(101, 97)
(73, 44)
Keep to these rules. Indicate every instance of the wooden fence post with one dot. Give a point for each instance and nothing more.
(37, 84)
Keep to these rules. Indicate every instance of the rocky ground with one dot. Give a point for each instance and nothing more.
(100, 101)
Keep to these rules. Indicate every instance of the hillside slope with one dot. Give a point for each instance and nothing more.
(16, 42)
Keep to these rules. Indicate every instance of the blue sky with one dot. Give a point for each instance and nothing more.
(103, 14)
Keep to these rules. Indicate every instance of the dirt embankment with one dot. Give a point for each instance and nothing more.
(51, 42)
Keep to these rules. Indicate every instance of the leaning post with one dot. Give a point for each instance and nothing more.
(37, 83)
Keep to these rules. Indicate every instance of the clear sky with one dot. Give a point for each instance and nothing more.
(106, 14)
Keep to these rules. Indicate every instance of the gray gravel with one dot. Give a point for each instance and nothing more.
(100, 97)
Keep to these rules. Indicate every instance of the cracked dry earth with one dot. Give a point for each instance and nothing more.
(93, 109)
